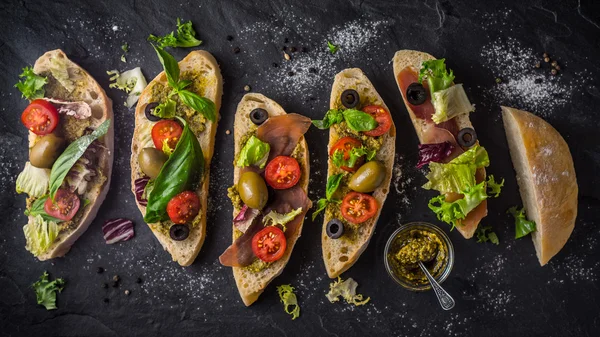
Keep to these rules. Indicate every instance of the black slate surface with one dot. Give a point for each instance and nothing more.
(499, 290)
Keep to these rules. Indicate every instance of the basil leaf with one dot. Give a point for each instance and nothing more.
(201, 104)
(183, 84)
(165, 109)
(321, 205)
(333, 182)
(331, 117)
(358, 120)
(71, 155)
(37, 208)
(179, 173)
(170, 66)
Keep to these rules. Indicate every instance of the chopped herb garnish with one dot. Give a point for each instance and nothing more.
(332, 48)
(186, 37)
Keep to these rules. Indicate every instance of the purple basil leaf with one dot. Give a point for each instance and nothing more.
(434, 152)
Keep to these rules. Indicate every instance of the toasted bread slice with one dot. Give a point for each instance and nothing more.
(184, 252)
(251, 284)
(340, 254)
(89, 91)
(413, 58)
(546, 178)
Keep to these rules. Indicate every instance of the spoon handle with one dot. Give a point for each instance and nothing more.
(446, 301)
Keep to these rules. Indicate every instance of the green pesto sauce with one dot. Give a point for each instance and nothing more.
(410, 247)
(371, 143)
(235, 198)
(257, 265)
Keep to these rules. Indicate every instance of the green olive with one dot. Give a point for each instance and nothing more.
(253, 190)
(151, 161)
(45, 152)
(368, 177)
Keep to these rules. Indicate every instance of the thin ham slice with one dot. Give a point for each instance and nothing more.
(468, 225)
(406, 77)
(283, 133)
(435, 135)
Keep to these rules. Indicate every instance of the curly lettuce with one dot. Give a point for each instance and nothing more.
(347, 290)
(273, 218)
(40, 234)
(522, 225)
(453, 212)
(31, 85)
(459, 173)
(186, 37)
(45, 291)
(437, 76)
(354, 155)
(289, 299)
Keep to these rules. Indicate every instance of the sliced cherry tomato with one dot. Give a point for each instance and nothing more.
(65, 205)
(359, 207)
(183, 207)
(166, 130)
(269, 244)
(346, 144)
(382, 116)
(40, 117)
(282, 172)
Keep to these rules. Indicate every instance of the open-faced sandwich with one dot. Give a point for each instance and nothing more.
(547, 182)
(172, 146)
(269, 192)
(439, 110)
(362, 138)
(70, 153)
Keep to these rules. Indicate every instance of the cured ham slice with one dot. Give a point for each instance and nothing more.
(283, 133)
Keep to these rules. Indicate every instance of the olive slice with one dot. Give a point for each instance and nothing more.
(258, 116)
(148, 111)
(416, 94)
(179, 232)
(350, 98)
(467, 137)
(335, 228)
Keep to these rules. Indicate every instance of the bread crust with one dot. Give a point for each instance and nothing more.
(546, 178)
(186, 251)
(101, 111)
(251, 284)
(339, 259)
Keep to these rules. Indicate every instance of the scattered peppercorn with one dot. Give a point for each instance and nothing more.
(114, 284)
(304, 49)
(236, 50)
(106, 300)
(229, 38)
(312, 70)
(537, 81)
(104, 285)
(557, 67)
(291, 73)
(286, 40)
(284, 48)
(116, 278)
(537, 65)
(275, 65)
(127, 292)
(554, 63)
(553, 72)
(100, 270)
(498, 80)
(545, 55)
(546, 59)
(293, 49)
(139, 279)
(247, 88)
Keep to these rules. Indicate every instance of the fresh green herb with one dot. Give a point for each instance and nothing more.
(186, 37)
(39, 234)
(71, 155)
(179, 173)
(485, 234)
(333, 182)
(494, 187)
(522, 225)
(354, 155)
(274, 218)
(438, 77)
(45, 291)
(355, 119)
(332, 48)
(86, 202)
(254, 152)
(347, 290)
(37, 208)
(125, 47)
(170, 66)
(32, 85)
(288, 298)
(199, 103)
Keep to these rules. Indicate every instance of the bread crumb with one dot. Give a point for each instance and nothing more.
(227, 132)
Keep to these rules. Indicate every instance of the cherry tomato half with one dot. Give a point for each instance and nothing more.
(359, 207)
(65, 205)
(40, 117)
(382, 116)
(166, 130)
(282, 172)
(346, 144)
(269, 244)
(183, 207)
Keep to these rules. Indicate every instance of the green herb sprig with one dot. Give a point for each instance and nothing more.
(31, 85)
(332, 48)
(186, 37)
(355, 119)
(333, 182)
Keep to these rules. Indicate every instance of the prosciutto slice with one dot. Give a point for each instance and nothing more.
(79, 110)
(283, 133)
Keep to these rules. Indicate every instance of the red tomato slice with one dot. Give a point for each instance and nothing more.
(269, 244)
(382, 116)
(65, 205)
(166, 130)
(346, 144)
(183, 207)
(282, 172)
(40, 117)
(359, 207)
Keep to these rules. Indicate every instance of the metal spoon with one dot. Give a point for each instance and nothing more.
(446, 301)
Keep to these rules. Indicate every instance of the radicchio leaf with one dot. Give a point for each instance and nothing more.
(434, 152)
(79, 110)
(117, 230)
(242, 214)
(140, 185)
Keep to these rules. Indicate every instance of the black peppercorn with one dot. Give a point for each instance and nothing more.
(106, 300)
(275, 65)
(139, 280)
(293, 49)
(236, 50)
(229, 38)
(100, 270)
(291, 73)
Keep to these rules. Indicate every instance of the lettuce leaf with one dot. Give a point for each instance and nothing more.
(40, 234)
(33, 181)
(485, 234)
(494, 187)
(449, 103)
(347, 290)
(438, 77)
(273, 218)
(522, 225)
(45, 291)
(254, 152)
(355, 154)
(186, 37)
(32, 85)
(452, 212)
(459, 173)
(288, 298)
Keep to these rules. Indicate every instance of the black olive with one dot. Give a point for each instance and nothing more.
(350, 98)
(467, 137)
(416, 94)
(148, 111)
(258, 116)
(335, 228)
(179, 232)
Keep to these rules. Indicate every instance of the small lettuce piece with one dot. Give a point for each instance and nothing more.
(449, 103)
(452, 212)
(347, 290)
(40, 234)
(254, 152)
(522, 225)
(186, 37)
(494, 187)
(33, 180)
(438, 77)
(354, 155)
(131, 81)
(273, 218)
(332, 48)
(459, 173)
(165, 109)
(289, 299)
(485, 234)
(60, 71)
(45, 291)
(32, 85)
